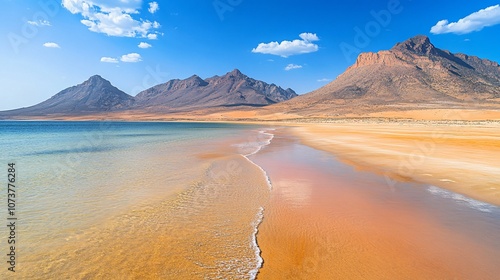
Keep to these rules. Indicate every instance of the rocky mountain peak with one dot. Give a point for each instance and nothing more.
(419, 44)
(232, 89)
(235, 73)
(96, 94)
(402, 54)
(413, 74)
(96, 79)
(195, 80)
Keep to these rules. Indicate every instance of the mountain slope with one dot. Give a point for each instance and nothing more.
(413, 73)
(97, 95)
(94, 95)
(232, 89)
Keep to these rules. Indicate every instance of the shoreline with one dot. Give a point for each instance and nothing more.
(278, 121)
(327, 219)
(304, 127)
(260, 214)
(207, 226)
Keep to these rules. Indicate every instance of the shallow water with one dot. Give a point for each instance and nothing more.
(135, 200)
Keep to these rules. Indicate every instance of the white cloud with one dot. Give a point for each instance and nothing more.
(309, 37)
(152, 36)
(153, 7)
(113, 18)
(109, 59)
(288, 48)
(324, 80)
(41, 22)
(473, 22)
(127, 5)
(144, 45)
(51, 45)
(292, 66)
(131, 57)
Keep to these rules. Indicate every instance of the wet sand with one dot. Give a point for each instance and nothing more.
(460, 158)
(327, 220)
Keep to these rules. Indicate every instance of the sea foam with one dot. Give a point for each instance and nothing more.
(469, 202)
(255, 245)
(247, 149)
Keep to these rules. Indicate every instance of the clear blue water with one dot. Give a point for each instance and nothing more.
(25, 138)
(96, 195)
(72, 174)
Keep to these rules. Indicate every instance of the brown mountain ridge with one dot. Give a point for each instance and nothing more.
(97, 96)
(229, 90)
(414, 74)
(94, 95)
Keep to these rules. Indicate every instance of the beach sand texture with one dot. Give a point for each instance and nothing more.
(328, 220)
(461, 158)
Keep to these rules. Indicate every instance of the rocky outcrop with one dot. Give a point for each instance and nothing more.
(386, 58)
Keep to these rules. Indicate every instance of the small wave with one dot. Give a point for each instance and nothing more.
(258, 145)
(268, 180)
(264, 143)
(253, 146)
(269, 185)
(472, 203)
(255, 245)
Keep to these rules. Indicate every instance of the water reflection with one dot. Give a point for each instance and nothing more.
(297, 192)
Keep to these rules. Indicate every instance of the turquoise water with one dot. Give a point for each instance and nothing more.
(74, 175)
(32, 138)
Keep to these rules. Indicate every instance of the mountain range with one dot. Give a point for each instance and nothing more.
(232, 89)
(413, 74)
(97, 95)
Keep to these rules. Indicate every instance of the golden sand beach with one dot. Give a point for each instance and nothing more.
(462, 158)
(328, 220)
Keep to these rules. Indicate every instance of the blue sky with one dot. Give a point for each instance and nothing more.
(49, 45)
